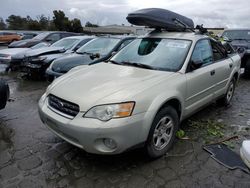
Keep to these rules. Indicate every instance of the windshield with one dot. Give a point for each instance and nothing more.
(41, 36)
(237, 34)
(65, 43)
(40, 45)
(160, 54)
(103, 46)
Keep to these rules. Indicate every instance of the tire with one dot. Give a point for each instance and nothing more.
(4, 94)
(227, 98)
(162, 132)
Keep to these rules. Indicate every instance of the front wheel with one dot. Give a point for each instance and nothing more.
(162, 133)
(226, 100)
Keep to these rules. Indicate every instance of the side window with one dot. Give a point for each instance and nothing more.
(125, 43)
(53, 37)
(219, 52)
(202, 53)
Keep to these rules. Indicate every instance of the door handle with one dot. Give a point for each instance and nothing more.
(230, 65)
(212, 72)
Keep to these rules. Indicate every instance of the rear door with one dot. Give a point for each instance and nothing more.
(223, 66)
(201, 81)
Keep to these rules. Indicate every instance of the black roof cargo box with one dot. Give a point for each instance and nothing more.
(159, 18)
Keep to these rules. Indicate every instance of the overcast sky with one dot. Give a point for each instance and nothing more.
(212, 13)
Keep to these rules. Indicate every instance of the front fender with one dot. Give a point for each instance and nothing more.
(156, 105)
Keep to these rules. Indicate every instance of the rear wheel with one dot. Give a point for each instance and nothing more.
(226, 100)
(162, 133)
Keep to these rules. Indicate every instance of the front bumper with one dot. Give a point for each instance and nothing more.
(89, 134)
(5, 61)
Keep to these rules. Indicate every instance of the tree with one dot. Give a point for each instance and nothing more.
(88, 24)
(2, 24)
(61, 22)
(44, 22)
(16, 22)
(76, 26)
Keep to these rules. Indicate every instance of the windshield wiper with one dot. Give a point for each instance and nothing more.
(91, 55)
(240, 39)
(88, 53)
(115, 62)
(137, 65)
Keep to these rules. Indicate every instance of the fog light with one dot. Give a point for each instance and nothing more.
(110, 143)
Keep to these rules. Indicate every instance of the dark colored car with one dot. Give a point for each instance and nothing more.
(240, 40)
(49, 37)
(97, 50)
(37, 61)
(4, 93)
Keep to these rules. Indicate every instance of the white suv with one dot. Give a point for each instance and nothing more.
(142, 94)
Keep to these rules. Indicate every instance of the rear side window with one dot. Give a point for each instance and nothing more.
(202, 53)
(219, 52)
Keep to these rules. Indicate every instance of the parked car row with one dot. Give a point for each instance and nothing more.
(138, 96)
(63, 55)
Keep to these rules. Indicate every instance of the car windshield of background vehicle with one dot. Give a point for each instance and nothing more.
(237, 34)
(103, 46)
(41, 36)
(40, 45)
(159, 54)
(65, 43)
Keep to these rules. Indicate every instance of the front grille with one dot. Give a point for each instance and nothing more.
(63, 106)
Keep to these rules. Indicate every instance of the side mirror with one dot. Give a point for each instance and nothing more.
(241, 50)
(195, 64)
(94, 56)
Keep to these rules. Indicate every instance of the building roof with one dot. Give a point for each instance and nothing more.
(105, 30)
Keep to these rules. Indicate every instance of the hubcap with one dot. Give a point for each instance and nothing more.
(163, 133)
(230, 92)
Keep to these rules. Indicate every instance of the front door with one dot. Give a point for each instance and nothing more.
(201, 81)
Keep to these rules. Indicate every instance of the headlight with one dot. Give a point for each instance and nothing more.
(109, 111)
(40, 58)
(5, 56)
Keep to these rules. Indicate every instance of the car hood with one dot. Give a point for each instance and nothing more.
(51, 57)
(13, 51)
(44, 50)
(88, 85)
(241, 43)
(70, 61)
